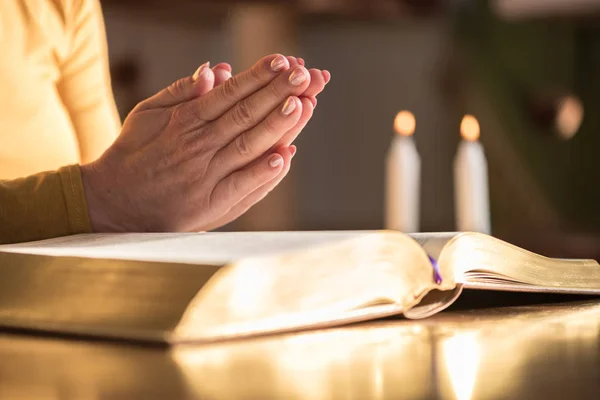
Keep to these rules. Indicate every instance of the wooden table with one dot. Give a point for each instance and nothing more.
(543, 351)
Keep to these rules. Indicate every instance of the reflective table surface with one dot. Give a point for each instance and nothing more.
(539, 351)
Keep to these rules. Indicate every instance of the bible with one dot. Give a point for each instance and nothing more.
(202, 287)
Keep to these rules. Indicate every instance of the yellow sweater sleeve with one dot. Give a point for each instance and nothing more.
(42, 206)
(84, 84)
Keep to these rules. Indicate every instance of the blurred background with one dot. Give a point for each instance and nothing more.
(524, 68)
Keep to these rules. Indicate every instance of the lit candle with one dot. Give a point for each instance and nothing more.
(471, 191)
(403, 177)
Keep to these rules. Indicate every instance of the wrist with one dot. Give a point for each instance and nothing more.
(94, 189)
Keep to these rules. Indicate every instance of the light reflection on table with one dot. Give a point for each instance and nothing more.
(519, 352)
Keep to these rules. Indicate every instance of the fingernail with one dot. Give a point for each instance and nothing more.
(326, 76)
(206, 74)
(279, 63)
(276, 160)
(301, 62)
(199, 70)
(226, 67)
(298, 76)
(293, 150)
(289, 106)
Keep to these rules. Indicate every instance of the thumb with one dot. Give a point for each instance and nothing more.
(185, 89)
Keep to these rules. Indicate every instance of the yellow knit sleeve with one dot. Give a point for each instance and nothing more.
(42, 206)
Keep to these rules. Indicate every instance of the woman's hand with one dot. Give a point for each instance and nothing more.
(187, 157)
(319, 79)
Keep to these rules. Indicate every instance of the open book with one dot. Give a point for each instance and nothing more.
(211, 286)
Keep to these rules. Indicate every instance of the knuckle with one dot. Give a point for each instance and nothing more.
(275, 91)
(186, 117)
(172, 90)
(243, 115)
(255, 74)
(234, 187)
(271, 125)
(181, 115)
(208, 134)
(190, 137)
(242, 145)
(141, 106)
(230, 88)
(189, 146)
(214, 163)
(211, 140)
(176, 88)
(255, 176)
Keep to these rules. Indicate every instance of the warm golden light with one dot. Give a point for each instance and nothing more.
(569, 117)
(469, 128)
(405, 123)
(320, 364)
(461, 355)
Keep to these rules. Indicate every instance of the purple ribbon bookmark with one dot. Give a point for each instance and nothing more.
(437, 277)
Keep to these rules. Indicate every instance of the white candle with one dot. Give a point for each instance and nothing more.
(471, 191)
(403, 177)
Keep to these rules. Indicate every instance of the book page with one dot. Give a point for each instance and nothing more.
(108, 298)
(214, 248)
(433, 242)
(316, 286)
(485, 262)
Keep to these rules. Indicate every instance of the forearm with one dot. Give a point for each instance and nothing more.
(42, 206)
(96, 130)
(84, 85)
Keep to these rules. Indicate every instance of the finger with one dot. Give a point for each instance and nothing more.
(315, 87)
(287, 153)
(216, 103)
(312, 99)
(204, 83)
(257, 195)
(301, 61)
(251, 111)
(237, 186)
(222, 75)
(185, 89)
(225, 66)
(255, 142)
(317, 83)
(327, 76)
(292, 134)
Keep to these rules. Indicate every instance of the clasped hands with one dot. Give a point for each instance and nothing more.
(201, 152)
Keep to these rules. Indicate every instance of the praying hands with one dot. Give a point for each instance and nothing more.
(200, 153)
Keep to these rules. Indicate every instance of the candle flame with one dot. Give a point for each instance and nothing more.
(469, 128)
(405, 123)
(569, 117)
